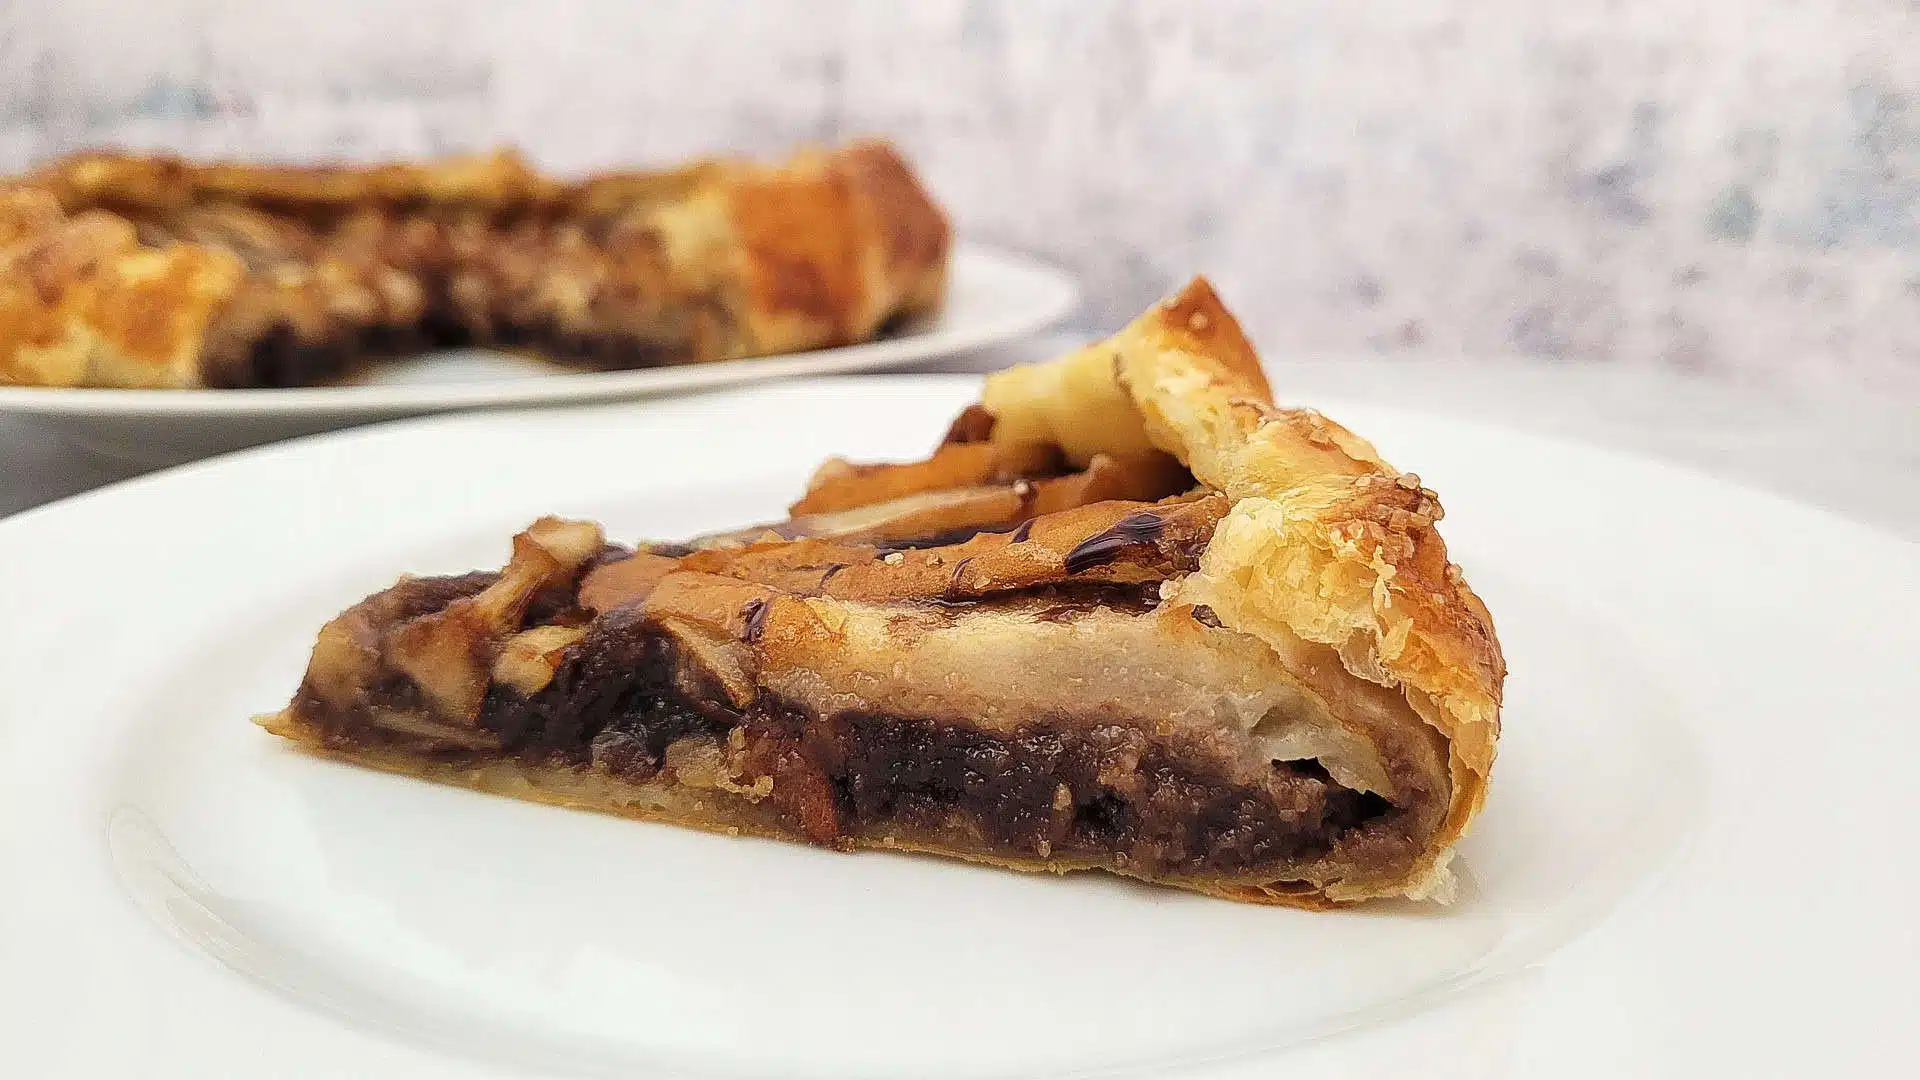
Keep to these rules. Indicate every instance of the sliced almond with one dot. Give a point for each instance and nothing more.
(842, 485)
(627, 581)
(449, 654)
(528, 660)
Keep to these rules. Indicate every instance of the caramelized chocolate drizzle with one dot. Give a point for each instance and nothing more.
(959, 568)
(1102, 548)
(756, 616)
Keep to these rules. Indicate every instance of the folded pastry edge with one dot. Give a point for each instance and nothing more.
(1325, 543)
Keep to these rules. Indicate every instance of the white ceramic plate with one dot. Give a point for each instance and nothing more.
(1696, 860)
(994, 297)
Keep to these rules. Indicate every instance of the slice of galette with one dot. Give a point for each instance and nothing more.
(1129, 616)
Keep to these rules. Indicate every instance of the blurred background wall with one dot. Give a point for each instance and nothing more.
(1722, 187)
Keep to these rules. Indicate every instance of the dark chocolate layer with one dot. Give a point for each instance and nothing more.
(1057, 786)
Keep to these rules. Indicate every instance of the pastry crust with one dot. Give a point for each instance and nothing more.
(123, 270)
(1326, 543)
(669, 800)
(1130, 616)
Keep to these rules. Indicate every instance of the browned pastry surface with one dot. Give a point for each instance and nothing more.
(127, 270)
(1129, 616)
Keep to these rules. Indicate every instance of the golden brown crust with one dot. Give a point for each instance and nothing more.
(149, 271)
(1325, 542)
(833, 247)
(500, 180)
(84, 303)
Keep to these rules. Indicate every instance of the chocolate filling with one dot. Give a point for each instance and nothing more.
(507, 252)
(279, 358)
(1056, 789)
(1100, 788)
(602, 350)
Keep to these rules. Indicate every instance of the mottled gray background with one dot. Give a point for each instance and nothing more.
(1722, 187)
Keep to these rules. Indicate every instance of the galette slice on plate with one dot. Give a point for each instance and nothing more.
(1129, 616)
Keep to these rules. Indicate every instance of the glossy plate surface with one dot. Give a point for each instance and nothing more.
(1694, 860)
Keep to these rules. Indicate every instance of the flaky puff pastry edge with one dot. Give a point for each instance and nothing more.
(1325, 542)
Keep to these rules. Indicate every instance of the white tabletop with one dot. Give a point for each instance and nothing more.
(1859, 458)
